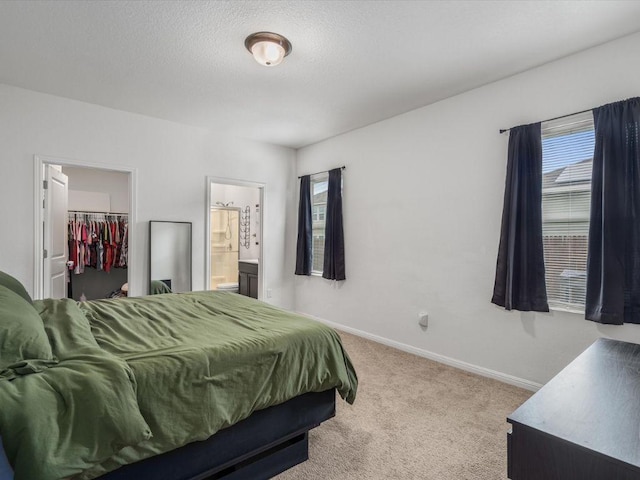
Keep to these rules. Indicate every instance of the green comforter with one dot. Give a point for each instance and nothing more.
(195, 363)
(58, 421)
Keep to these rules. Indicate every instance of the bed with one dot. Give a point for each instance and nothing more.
(172, 386)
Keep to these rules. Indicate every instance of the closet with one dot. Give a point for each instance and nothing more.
(98, 242)
(97, 233)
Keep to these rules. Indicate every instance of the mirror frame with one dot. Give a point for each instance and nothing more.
(151, 222)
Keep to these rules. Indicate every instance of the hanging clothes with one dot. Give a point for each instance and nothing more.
(97, 240)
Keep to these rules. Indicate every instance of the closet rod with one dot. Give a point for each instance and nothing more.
(87, 212)
(324, 171)
(503, 130)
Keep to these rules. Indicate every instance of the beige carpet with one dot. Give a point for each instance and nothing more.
(413, 419)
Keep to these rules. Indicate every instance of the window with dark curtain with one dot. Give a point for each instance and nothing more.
(613, 265)
(520, 279)
(334, 261)
(304, 245)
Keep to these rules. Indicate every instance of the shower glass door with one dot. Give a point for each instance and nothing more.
(225, 245)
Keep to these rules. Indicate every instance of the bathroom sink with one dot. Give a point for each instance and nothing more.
(251, 260)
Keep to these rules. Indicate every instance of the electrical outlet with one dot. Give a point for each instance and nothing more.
(269, 293)
(423, 319)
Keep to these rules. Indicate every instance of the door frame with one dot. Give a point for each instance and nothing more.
(133, 279)
(207, 230)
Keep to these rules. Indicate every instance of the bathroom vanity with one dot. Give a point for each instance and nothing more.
(248, 278)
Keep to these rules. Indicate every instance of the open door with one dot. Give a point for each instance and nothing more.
(56, 191)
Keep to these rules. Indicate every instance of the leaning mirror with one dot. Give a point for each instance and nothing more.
(169, 257)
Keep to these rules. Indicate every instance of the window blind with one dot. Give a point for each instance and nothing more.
(319, 189)
(567, 158)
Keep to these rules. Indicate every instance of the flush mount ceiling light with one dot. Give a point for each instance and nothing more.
(269, 49)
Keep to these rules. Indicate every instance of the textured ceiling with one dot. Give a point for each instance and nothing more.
(353, 62)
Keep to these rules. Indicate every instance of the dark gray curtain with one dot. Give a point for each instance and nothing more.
(613, 262)
(520, 283)
(333, 267)
(304, 247)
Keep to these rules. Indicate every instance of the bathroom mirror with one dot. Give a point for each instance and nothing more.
(169, 257)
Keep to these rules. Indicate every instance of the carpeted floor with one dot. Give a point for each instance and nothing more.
(413, 419)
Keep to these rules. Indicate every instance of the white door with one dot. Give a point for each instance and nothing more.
(56, 192)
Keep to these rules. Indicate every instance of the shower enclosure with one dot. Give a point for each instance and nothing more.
(225, 245)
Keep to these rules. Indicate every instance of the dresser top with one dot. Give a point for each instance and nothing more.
(593, 403)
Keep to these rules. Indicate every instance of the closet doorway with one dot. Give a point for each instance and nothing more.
(234, 252)
(84, 245)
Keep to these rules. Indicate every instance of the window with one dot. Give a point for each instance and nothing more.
(567, 158)
(319, 189)
(319, 211)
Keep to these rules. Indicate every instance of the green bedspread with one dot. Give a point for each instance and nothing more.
(80, 411)
(195, 363)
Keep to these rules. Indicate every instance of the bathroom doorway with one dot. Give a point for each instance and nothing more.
(234, 257)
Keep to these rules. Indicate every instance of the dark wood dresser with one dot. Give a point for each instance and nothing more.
(585, 423)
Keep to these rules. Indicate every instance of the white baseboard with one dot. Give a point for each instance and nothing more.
(469, 367)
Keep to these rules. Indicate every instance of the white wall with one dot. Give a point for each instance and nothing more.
(114, 184)
(423, 198)
(172, 163)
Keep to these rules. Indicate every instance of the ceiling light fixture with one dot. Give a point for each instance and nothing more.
(269, 49)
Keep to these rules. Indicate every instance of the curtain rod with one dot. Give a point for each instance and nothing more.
(324, 171)
(502, 130)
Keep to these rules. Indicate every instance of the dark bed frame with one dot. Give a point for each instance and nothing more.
(267, 443)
